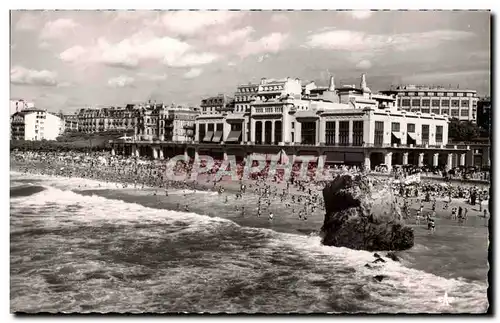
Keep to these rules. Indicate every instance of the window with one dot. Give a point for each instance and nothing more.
(415, 102)
(357, 133)
(344, 133)
(455, 103)
(425, 111)
(395, 127)
(420, 93)
(464, 113)
(426, 103)
(425, 134)
(435, 111)
(449, 93)
(405, 102)
(435, 103)
(308, 131)
(426, 94)
(330, 133)
(439, 133)
(465, 103)
(460, 94)
(410, 127)
(454, 112)
(445, 103)
(440, 94)
(293, 125)
(379, 133)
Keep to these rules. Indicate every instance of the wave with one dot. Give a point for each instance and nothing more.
(159, 260)
(25, 190)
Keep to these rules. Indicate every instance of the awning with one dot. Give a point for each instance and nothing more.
(412, 136)
(234, 135)
(217, 136)
(335, 157)
(208, 136)
(397, 134)
(354, 157)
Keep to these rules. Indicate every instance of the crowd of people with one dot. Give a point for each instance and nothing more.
(301, 194)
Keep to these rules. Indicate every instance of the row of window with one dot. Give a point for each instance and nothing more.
(460, 94)
(454, 112)
(244, 98)
(435, 103)
(272, 88)
(247, 89)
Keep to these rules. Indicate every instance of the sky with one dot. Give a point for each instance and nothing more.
(67, 60)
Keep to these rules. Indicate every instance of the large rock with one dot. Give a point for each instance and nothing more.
(362, 214)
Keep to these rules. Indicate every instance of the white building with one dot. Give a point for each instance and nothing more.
(36, 124)
(455, 103)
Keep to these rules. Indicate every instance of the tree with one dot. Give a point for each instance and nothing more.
(462, 130)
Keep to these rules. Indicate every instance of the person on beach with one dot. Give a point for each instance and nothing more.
(431, 226)
(418, 217)
(271, 216)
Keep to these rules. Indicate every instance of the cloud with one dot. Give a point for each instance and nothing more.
(23, 76)
(234, 36)
(262, 58)
(446, 76)
(58, 28)
(346, 40)
(361, 14)
(271, 43)
(191, 22)
(364, 65)
(73, 54)
(44, 45)
(140, 47)
(153, 77)
(192, 73)
(27, 21)
(279, 18)
(121, 81)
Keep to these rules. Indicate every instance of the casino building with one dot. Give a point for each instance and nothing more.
(347, 124)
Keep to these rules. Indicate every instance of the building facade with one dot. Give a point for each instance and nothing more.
(217, 104)
(94, 120)
(70, 122)
(346, 125)
(285, 113)
(36, 124)
(165, 123)
(456, 103)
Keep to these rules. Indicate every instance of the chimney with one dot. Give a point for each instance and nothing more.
(363, 81)
(331, 86)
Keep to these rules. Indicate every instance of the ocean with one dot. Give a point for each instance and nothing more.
(85, 246)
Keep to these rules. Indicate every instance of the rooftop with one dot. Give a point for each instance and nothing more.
(423, 87)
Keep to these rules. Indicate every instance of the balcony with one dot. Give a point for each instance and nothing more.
(267, 110)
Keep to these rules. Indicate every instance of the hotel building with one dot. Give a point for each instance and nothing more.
(94, 120)
(165, 123)
(456, 103)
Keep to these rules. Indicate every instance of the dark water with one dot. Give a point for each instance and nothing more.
(98, 250)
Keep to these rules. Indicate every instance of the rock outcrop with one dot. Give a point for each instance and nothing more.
(363, 215)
